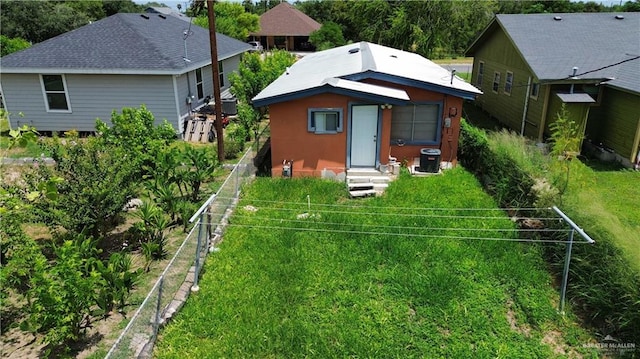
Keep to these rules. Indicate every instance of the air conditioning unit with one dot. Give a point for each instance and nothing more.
(229, 106)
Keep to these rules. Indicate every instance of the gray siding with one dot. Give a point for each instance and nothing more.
(90, 97)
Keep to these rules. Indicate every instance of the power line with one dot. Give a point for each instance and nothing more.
(406, 234)
(403, 227)
(316, 204)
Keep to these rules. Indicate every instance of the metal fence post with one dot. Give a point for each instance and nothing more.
(565, 273)
(156, 322)
(195, 287)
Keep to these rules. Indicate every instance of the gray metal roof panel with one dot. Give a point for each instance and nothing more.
(588, 41)
(125, 42)
(346, 62)
(575, 98)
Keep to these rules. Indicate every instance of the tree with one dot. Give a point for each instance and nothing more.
(328, 36)
(232, 20)
(254, 74)
(8, 45)
(36, 21)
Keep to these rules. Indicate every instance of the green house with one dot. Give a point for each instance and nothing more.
(528, 65)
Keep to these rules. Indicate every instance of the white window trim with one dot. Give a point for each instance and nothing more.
(480, 76)
(66, 94)
(493, 83)
(506, 80)
(534, 97)
(201, 83)
(221, 74)
(312, 129)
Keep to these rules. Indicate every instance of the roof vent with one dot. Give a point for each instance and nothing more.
(394, 56)
(145, 16)
(162, 16)
(557, 18)
(619, 17)
(354, 50)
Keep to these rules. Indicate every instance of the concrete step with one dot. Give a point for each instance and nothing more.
(352, 185)
(363, 193)
(375, 179)
(363, 172)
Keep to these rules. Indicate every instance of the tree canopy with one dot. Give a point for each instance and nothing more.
(231, 20)
(36, 21)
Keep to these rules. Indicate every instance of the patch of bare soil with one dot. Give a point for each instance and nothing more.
(523, 329)
(553, 338)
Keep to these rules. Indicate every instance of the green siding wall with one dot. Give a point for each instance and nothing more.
(615, 123)
(499, 55)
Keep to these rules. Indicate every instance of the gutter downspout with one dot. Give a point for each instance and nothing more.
(545, 108)
(526, 106)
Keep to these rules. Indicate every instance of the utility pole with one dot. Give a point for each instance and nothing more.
(216, 79)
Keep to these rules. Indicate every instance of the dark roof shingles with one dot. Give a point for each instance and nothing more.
(588, 41)
(125, 42)
(286, 20)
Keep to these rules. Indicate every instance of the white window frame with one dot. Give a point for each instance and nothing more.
(65, 92)
(413, 140)
(312, 125)
(495, 87)
(508, 83)
(199, 84)
(535, 90)
(221, 74)
(480, 77)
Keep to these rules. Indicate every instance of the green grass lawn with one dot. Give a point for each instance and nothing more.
(279, 290)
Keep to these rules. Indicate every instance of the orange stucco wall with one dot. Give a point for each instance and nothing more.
(312, 153)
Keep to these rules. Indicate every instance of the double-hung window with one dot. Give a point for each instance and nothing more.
(325, 120)
(199, 84)
(56, 97)
(535, 90)
(221, 73)
(508, 83)
(416, 124)
(496, 82)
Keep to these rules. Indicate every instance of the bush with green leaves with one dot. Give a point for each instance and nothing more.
(136, 131)
(62, 293)
(97, 182)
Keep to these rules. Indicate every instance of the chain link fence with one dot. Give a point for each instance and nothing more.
(180, 276)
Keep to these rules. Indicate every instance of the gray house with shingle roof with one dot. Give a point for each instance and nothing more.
(124, 60)
(529, 65)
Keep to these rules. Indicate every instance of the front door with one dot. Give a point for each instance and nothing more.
(364, 135)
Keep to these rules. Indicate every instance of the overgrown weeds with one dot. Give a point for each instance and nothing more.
(605, 285)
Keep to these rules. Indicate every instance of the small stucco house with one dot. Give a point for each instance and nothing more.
(360, 106)
(285, 27)
(124, 60)
(529, 65)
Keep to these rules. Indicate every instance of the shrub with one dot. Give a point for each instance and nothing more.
(97, 182)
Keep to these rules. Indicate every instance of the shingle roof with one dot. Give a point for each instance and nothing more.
(286, 20)
(552, 44)
(336, 70)
(124, 44)
(167, 11)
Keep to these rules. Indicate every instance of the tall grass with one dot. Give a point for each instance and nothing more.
(606, 276)
(278, 290)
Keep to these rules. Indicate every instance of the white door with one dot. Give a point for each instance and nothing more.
(364, 133)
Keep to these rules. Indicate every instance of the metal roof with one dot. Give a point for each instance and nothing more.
(124, 44)
(603, 46)
(329, 70)
(575, 98)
